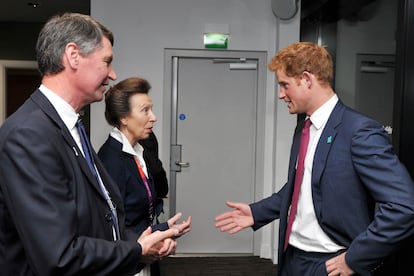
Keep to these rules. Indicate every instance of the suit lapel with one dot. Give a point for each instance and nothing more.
(326, 141)
(45, 105)
(132, 167)
(127, 158)
(295, 147)
(294, 156)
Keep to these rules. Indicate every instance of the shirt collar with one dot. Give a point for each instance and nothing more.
(321, 115)
(136, 150)
(63, 108)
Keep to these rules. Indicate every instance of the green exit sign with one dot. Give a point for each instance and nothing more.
(216, 40)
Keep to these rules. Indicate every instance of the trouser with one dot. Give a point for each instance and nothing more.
(298, 262)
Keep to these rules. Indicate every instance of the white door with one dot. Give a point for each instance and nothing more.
(213, 144)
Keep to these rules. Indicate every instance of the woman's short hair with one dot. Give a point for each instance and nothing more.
(117, 99)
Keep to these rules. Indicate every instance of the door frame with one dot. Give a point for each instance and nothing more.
(4, 65)
(261, 56)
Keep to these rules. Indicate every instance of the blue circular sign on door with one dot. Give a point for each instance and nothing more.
(182, 117)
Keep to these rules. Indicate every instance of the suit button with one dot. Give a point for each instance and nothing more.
(108, 217)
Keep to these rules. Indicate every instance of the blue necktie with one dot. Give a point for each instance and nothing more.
(87, 150)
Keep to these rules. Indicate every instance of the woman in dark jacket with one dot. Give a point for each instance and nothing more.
(129, 110)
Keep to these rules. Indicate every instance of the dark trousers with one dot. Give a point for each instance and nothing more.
(298, 262)
(155, 269)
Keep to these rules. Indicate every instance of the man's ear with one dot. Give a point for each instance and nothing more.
(72, 55)
(308, 79)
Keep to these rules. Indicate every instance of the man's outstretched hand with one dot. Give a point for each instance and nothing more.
(236, 220)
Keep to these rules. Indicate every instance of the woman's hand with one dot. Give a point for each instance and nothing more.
(183, 227)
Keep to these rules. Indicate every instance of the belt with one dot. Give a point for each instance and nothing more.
(314, 254)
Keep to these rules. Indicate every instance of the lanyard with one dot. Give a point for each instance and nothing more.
(89, 159)
(145, 180)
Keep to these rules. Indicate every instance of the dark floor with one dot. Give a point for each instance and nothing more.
(217, 266)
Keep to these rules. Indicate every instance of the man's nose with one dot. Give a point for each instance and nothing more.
(281, 93)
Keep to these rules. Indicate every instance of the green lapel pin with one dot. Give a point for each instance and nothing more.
(329, 140)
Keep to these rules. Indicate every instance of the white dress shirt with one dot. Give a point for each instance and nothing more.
(65, 112)
(307, 234)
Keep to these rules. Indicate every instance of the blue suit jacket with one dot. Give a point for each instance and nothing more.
(354, 168)
(123, 169)
(53, 217)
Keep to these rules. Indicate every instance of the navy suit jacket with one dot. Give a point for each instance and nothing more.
(354, 172)
(53, 218)
(123, 169)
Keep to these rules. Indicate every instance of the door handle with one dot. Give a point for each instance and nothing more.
(183, 164)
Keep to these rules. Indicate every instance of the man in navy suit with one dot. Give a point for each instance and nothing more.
(54, 218)
(356, 200)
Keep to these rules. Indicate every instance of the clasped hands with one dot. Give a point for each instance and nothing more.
(160, 244)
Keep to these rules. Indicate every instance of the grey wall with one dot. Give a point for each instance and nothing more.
(373, 33)
(143, 29)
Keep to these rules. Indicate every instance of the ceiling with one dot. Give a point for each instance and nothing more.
(25, 10)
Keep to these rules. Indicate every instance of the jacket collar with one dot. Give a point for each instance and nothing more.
(44, 104)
